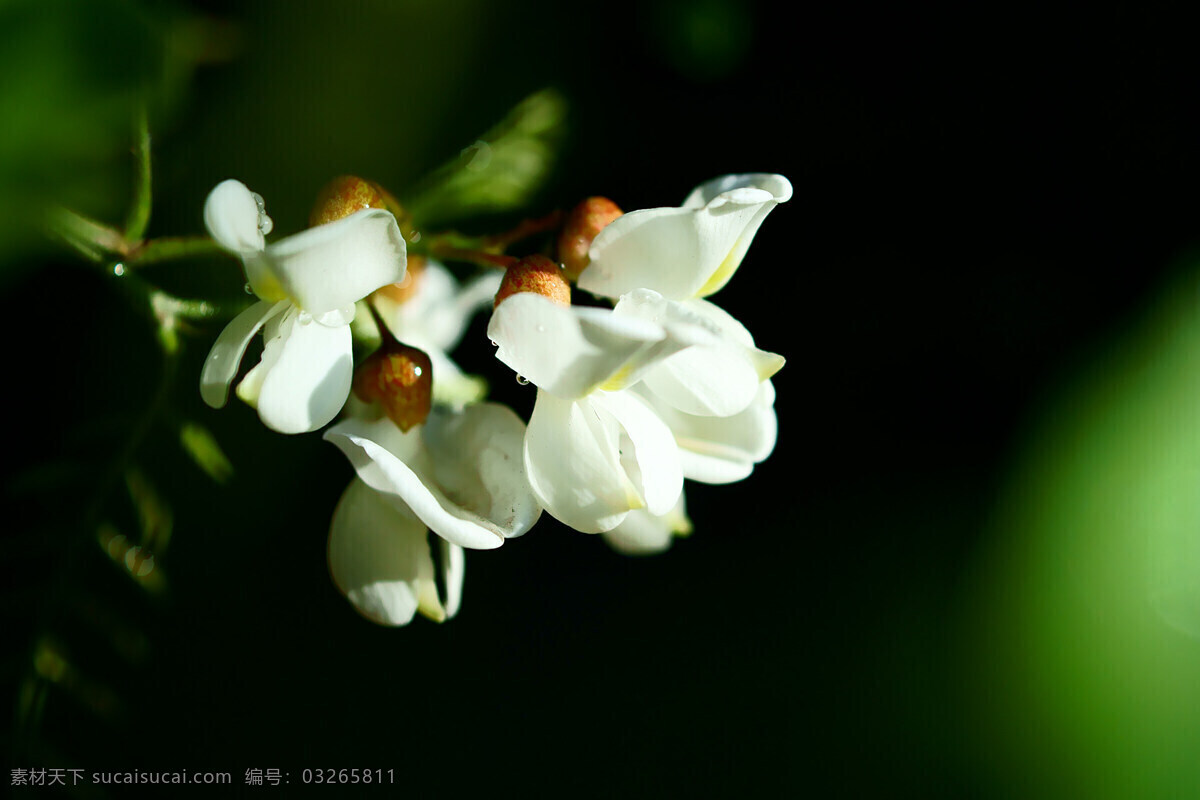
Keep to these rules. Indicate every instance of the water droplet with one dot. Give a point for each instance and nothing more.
(521, 379)
(247, 289)
(416, 237)
(118, 269)
(493, 341)
(541, 328)
(304, 318)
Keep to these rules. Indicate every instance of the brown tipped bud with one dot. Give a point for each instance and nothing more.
(405, 289)
(536, 274)
(583, 223)
(401, 379)
(343, 196)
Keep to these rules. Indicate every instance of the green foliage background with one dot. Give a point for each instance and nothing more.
(969, 569)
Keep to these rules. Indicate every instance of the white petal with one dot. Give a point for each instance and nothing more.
(643, 533)
(461, 473)
(231, 214)
(453, 563)
(574, 465)
(226, 354)
(680, 252)
(337, 264)
(305, 378)
(722, 449)
(379, 558)
(779, 187)
(720, 378)
(477, 458)
(712, 381)
(570, 352)
(653, 466)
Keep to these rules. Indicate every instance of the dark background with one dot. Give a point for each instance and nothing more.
(983, 201)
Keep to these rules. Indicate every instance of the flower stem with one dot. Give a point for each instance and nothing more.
(139, 210)
(94, 240)
(170, 248)
(474, 256)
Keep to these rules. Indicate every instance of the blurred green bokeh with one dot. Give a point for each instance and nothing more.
(1087, 635)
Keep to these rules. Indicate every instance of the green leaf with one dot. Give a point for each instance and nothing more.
(501, 170)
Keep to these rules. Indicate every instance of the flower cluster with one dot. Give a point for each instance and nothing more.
(648, 384)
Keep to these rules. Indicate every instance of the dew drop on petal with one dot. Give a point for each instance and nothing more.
(247, 289)
(118, 269)
(304, 318)
(416, 237)
(541, 328)
(521, 379)
(493, 341)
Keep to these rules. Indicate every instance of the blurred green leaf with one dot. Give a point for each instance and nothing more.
(154, 514)
(501, 170)
(1093, 600)
(203, 448)
(73, 76)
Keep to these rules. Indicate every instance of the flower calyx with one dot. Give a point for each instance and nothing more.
(585, 221)
(401, 379)
(536, 274)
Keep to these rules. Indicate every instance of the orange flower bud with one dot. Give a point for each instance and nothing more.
(583, 223)
(343, 196)
(536, 274)
(401, 379)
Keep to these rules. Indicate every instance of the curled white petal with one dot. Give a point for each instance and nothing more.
(461, 473)
(379, 558)
(233, 217)
(683, 252)
(223, 359)
(334, 265)
(777, 186)
(304, 376)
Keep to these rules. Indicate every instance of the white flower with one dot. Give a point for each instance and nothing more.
(460, 473)
(684, 254)
(433, 318)
(593, 450)
(380, 558)
(307, 286)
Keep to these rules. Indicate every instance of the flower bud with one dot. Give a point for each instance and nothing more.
(404, 290)
(343, 196)
(401, 379)
(583, 223)
(536, 274)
